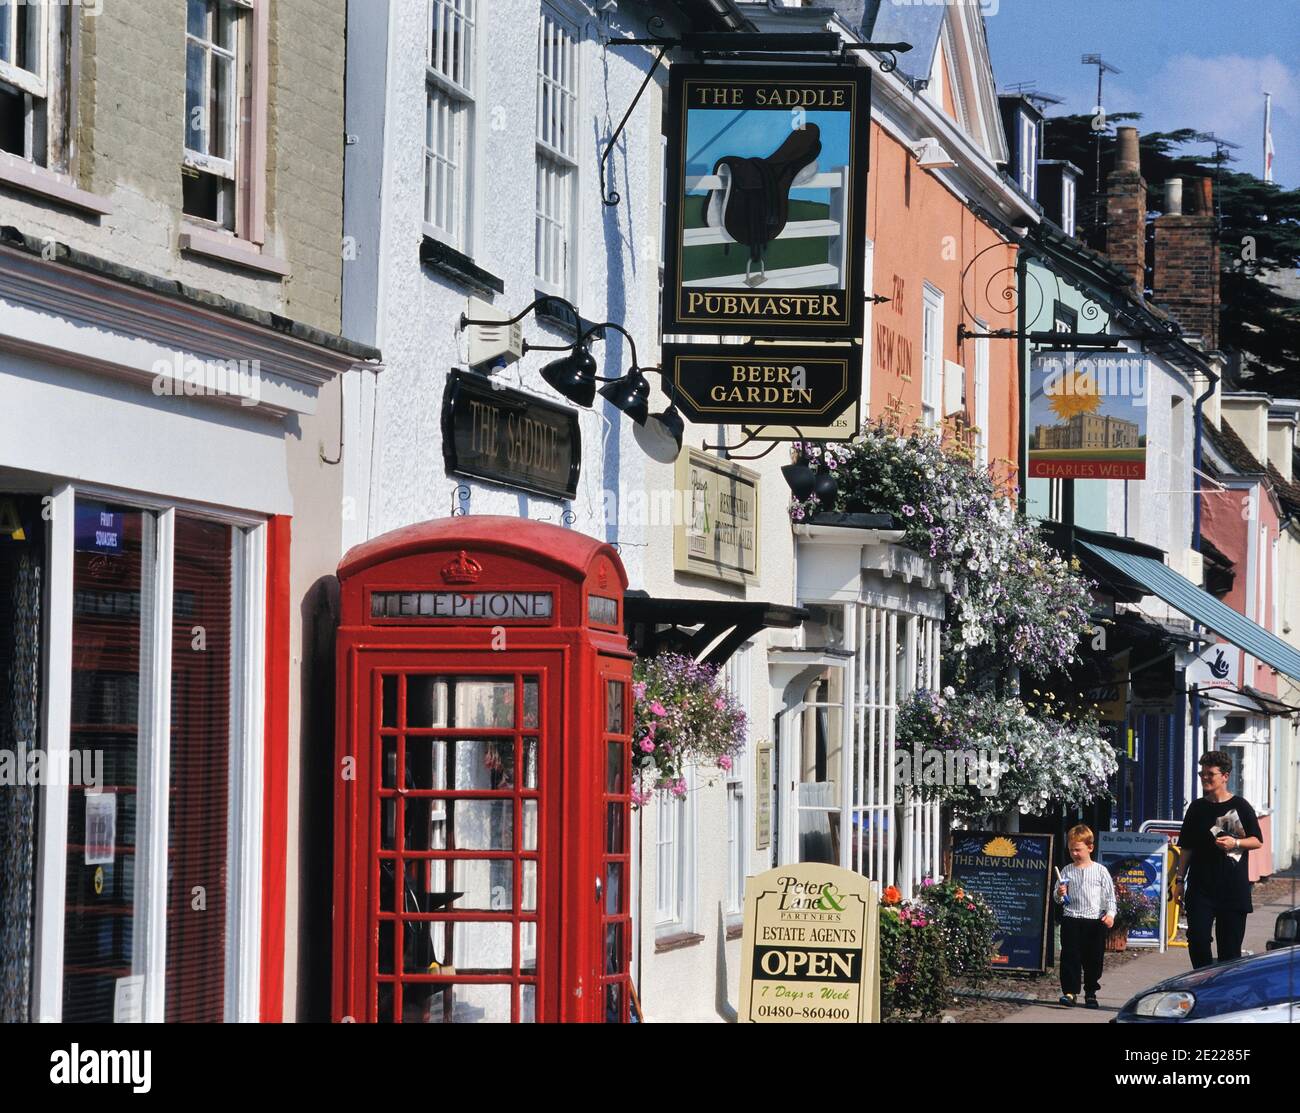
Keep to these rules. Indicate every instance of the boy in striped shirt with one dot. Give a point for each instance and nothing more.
(1088, 896)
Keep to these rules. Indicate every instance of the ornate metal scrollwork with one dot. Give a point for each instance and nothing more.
(459, 497)
(1001, 290)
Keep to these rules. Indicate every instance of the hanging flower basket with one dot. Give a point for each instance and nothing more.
(682, 716)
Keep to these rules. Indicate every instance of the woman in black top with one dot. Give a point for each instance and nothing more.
(1218, 833)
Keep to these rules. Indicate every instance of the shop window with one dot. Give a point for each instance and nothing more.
(33, 75)
(557, 153)
(449, 121)
(160, 853)
(199, 794)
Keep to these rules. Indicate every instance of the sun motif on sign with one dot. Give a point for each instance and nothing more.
(1000, 848)
(1077, 394)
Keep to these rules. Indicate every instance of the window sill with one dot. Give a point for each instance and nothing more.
(459, 267)
(677, 942)
(228, 249)
(18, 173)
(735, 931)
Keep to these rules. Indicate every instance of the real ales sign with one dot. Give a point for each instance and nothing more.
(1088, 415)
(810, 950)
(766, 204)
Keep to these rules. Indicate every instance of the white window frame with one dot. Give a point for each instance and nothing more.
(675, 894)
(555, 232)
(1067, 203)
(246, 771)
(931, 356)
(1028, 155)
(451, 84)
(33, 82)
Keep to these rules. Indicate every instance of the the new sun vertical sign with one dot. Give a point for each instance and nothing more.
(1088, 415)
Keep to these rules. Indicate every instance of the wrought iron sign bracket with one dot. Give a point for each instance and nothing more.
(730, 448)
(1053, 339)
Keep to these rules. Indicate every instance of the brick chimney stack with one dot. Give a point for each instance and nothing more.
(1186, 279)
(1126, 210)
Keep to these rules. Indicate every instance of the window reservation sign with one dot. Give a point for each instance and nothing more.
(810, 947)
(766, 203)
(1087, 415)
(504, 435)
(763, 383)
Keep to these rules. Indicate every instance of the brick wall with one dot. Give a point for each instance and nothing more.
(1186, 279)
(128, 134)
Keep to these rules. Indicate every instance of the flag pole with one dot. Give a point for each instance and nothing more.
(1268, 137)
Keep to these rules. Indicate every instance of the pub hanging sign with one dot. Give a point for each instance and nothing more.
(503, 435)
(766, 201)
(792, 385)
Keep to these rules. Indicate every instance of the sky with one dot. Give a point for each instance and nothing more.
(1202, 64)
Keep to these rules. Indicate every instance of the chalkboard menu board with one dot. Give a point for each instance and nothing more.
(1013, 873)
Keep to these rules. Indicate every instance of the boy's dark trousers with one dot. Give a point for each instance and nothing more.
(1083, 945)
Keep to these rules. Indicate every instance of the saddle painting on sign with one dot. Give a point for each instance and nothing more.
(766, 200)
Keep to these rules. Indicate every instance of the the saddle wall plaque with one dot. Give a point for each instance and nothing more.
(766, 201)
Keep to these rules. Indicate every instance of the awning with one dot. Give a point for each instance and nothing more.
(1183, 595)
(709, 619)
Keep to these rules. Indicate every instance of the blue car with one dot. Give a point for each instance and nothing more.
(1258, 989)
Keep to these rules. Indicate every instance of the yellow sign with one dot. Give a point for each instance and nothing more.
(810, 950)
(716, 534)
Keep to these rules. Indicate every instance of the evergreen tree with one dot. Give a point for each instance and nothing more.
(1259, 234)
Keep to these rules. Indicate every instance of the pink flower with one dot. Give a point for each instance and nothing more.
(659, 709)
(638, 689)
(679, 788)
(970, 907)
(647, 746)
(639, 798)
(724, 762)
(719, 704)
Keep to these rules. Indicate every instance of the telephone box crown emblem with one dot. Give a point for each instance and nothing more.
(463, 570)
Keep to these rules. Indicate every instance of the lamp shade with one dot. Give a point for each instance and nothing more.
(631, 394)
(825, 488)
(574, 376)
(661, 436)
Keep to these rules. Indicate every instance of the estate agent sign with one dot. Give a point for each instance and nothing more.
(718, 537)
(760, 383)
(504, 435)
(810, 948)
(767, 180)
(1088, 415)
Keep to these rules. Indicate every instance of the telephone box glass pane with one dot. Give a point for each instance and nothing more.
(614, 716)
(423, 881)
(487, 763)
(614, 767)
(530, 825)
(613, 888)
(385, 1010)
(614, 1003)
(528, 897)
(527, 1004)
(426, 763)
(484, 884)
(528, 946)
(613, 948)
(388, 763)
(472, 1004)
(530, 705)
(387, 885)
(426, 701)
(426, 824)
(530, 763)
(482, 824)
(482, 948)
(485, 703)
(614, 828)
(387, 824)
(424, 946)
(390, 701)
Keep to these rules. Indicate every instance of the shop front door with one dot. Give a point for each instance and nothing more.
(463, 781)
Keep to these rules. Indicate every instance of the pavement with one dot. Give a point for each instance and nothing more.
(1121, 983)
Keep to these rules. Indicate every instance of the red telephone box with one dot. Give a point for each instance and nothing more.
(482, 811)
